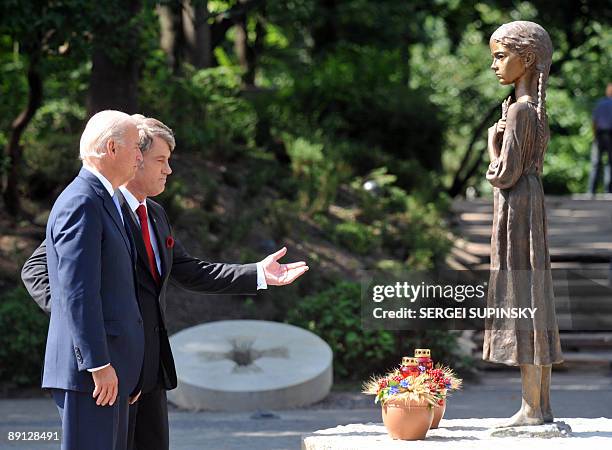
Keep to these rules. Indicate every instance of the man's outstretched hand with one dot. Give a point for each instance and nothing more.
(281, 274)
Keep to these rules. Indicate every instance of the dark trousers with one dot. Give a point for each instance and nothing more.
(602, 145)
(86, 425)
(148, 429)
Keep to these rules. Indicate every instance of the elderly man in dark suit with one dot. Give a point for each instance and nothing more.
(95, 343)
(161, 257)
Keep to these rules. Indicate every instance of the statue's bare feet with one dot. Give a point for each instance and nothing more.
(547, 413)
(524, 417)
(547, 416)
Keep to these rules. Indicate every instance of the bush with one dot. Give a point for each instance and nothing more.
(357, 95)
(411, 226)
(357, 237)
(23, 332)
(280, 218)
(317, 171)
(334, 315)
(51, 145)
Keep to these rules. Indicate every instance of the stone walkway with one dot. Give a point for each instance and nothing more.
(498, 395)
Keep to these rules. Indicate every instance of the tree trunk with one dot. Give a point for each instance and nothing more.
(171, 34)
(113, 84)
(255, 50)
(325, 33)
(246, 51)
(241, 48)
(13, 148)
(405, 55)
(223, 22)
(114, 77)
(197, 36)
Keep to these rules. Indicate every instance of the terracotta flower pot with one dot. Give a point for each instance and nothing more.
(438, 414)
(406, 419)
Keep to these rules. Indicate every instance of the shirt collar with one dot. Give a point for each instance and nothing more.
(107, 184)
(131, 200)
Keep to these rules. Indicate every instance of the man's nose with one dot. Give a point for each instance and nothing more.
(167, 169)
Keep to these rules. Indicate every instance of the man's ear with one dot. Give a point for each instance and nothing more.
(111, 149)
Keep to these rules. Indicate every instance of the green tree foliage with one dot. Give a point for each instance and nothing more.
(402, 85)
(204, 107)
(23, 331)
(454, 66)
(311, 101)
(334, 315)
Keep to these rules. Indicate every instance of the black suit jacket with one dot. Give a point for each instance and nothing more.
(177, 266)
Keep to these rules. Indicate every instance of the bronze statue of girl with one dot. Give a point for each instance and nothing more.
(520, 262)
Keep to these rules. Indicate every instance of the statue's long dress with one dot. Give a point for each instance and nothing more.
(520, 263)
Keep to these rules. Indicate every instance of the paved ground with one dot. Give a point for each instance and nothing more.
(574, 396)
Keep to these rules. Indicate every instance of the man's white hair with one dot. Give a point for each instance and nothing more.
(102, 127)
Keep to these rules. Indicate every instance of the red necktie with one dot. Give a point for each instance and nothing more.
(146, 237)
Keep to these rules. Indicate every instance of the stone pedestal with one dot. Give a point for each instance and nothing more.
(546, 431)
(459, 434)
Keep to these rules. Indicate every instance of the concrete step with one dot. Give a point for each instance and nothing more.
(453, 263)
(465, 258)
(571, 361)
(584, 322)
(579, 229)
(582, 341)
(565, 252)
(572, 341)
(583, 349)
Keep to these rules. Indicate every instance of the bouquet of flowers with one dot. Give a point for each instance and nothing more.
(430, 386)
(413, 396)
(441, 381)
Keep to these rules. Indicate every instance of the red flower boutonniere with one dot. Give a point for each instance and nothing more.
(169, 242)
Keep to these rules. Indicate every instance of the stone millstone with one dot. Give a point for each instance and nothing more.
(246, 365)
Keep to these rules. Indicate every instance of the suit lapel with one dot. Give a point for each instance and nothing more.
(108, 203)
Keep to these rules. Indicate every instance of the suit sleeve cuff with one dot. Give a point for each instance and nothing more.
(95, 369)
(261, 278)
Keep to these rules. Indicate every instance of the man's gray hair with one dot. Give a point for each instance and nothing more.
(150, 128)
(101, 128)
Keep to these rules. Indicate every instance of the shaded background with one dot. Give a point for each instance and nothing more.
(342, 129)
